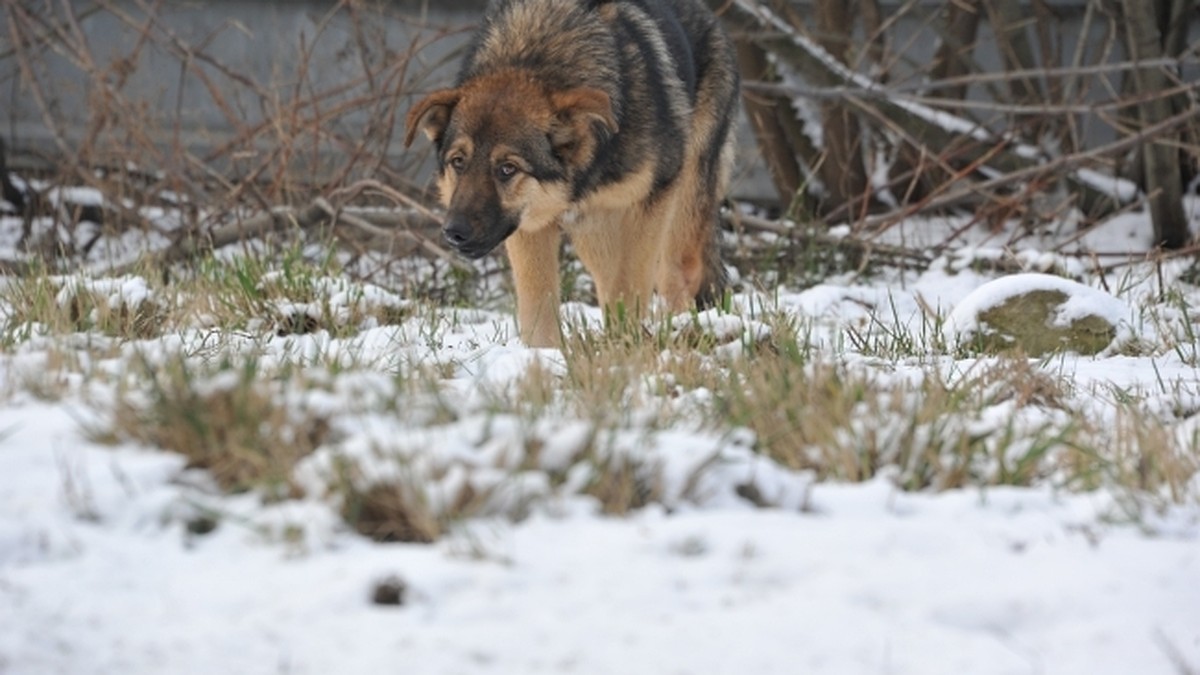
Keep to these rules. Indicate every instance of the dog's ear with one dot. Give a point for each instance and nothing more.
(431, 115)
(582, 118)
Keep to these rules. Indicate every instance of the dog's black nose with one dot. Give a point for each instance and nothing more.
(457, 232)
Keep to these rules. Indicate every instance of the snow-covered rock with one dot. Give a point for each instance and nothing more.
(1037, 314)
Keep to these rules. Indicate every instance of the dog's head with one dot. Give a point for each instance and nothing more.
(507, 150)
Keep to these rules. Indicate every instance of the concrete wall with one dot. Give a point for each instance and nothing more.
(263, 42)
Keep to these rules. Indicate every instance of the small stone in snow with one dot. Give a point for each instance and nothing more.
(202, 525)
(390, 590)
(751, 493)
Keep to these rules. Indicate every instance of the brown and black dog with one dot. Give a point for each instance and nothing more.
(609, 120)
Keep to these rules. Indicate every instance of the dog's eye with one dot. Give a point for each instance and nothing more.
(506, 171)
(457, 163)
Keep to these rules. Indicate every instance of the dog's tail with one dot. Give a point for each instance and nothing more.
(715, 279)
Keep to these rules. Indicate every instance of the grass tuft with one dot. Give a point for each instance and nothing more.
(622, 484)
(588, 421)
(126, 308)
(233, 422)
(391, 512)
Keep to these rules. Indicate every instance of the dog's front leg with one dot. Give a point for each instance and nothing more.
(534, 259)
(621, 249)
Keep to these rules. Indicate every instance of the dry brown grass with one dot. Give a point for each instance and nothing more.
(1152, 461)
(929, 426)
(1006, 421)
(285, 295)
(41, 304)
(622, 484)
(937, 431)
(247, 295)
(231, 423)
(400, 508)
(391, 512)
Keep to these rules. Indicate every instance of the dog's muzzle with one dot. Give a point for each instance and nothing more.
(459, 234)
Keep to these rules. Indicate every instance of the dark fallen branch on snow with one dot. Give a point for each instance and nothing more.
(398, 233)
(867, 250)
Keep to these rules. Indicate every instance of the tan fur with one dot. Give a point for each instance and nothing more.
(624, 251)
(543, 204)
(647, 226)
(623, 245)
(534, 259)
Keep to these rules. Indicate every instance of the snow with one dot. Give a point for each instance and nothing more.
(129, 292)
(104, 570)
(83, 196)
(1121, 189)
(865, 579)
(101, 573)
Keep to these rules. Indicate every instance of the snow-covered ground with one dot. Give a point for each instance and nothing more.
(100, 573)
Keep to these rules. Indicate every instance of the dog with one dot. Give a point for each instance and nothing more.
(608, 120)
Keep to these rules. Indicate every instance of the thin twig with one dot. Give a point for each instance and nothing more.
(951, 197)
(361, 223)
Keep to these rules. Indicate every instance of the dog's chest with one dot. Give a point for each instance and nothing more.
(570, 219)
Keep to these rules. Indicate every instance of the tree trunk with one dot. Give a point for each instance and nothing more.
(1173, 24)
(953, 55)
(766, 115)
(1049, 50)
(1164, 183)
(940, 131)
(10, 192)
(876, 31)
(914, 174)
(842, 169)
(1010, 22)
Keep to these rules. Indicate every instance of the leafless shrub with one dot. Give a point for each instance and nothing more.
(118, 87)
(909, 90)
(911, 116)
